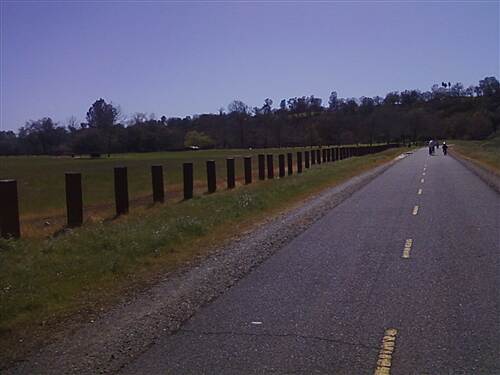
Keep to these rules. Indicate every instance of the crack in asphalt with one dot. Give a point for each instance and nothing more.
(280, 335)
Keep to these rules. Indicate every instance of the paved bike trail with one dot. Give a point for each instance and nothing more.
(346, 297)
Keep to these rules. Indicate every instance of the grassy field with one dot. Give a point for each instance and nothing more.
(45, 279)
(41, 181)
(486, 152)
(41, 178)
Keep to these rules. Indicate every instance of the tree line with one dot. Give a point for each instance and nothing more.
(445, 111)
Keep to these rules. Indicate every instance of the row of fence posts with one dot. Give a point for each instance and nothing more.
(9, 208)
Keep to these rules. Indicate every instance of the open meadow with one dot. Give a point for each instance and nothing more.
(41, 181)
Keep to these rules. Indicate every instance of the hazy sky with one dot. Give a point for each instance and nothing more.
(182, 58)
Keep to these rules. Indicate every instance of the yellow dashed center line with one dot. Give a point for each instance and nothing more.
(407, 248)
(384, 361)
(419, 192)
(415, 210)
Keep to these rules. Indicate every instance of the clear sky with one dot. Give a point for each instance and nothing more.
(183, 58)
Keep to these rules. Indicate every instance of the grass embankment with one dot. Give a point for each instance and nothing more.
(45, 280)
(485, 152)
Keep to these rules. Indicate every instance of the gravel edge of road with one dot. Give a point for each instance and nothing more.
(114, 339)
(490, 178)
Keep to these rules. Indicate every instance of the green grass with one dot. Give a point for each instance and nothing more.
(41, 178)
(486, 152)
(46, 279)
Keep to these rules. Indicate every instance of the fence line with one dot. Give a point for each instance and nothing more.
(9, 214)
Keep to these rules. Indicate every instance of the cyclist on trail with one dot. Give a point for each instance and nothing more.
(445, 148)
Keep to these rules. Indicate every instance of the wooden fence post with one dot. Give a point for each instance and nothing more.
(121, 190)
(231, 181)
(74, 201)
(187, 171)
(211, 179)
(157, 182)
(289, 159)
(247, 161)
(299, 162)
(281, 165)
(262, 167)
(270, 166)
(9, 214)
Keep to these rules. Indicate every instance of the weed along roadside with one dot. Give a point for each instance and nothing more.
(45, 280)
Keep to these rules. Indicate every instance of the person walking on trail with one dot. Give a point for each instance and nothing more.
(431, 147)
(445, 148)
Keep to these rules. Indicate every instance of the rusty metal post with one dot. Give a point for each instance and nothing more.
(74, 201)
(9, 212)
(306, 159)
(262, 167)
(211, 180)
(281, 165)
(187, 170)
(157, 182)
(270, 166)
(121, 190)
(231, 181)
(247, 163)
(289, 159)
(299, 162)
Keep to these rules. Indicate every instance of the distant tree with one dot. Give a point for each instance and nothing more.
(8, 143)
(237, 106)
(199, 139)
(392, 98)
(457, 90)
(42, 136)
(283, 105)
(409, 97)
(239, 111)
(332, 101)
(102, 114)
(314, 104)
(489, 86)
(267, 107)
(367, 104)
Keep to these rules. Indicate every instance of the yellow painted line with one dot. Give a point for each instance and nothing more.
(419, 192)
(415, 210)
(407, 248)
(422, 180)
(387, 347)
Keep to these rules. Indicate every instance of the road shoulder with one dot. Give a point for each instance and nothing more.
(490, 177)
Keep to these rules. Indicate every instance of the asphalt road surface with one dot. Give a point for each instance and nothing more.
(401, 278)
